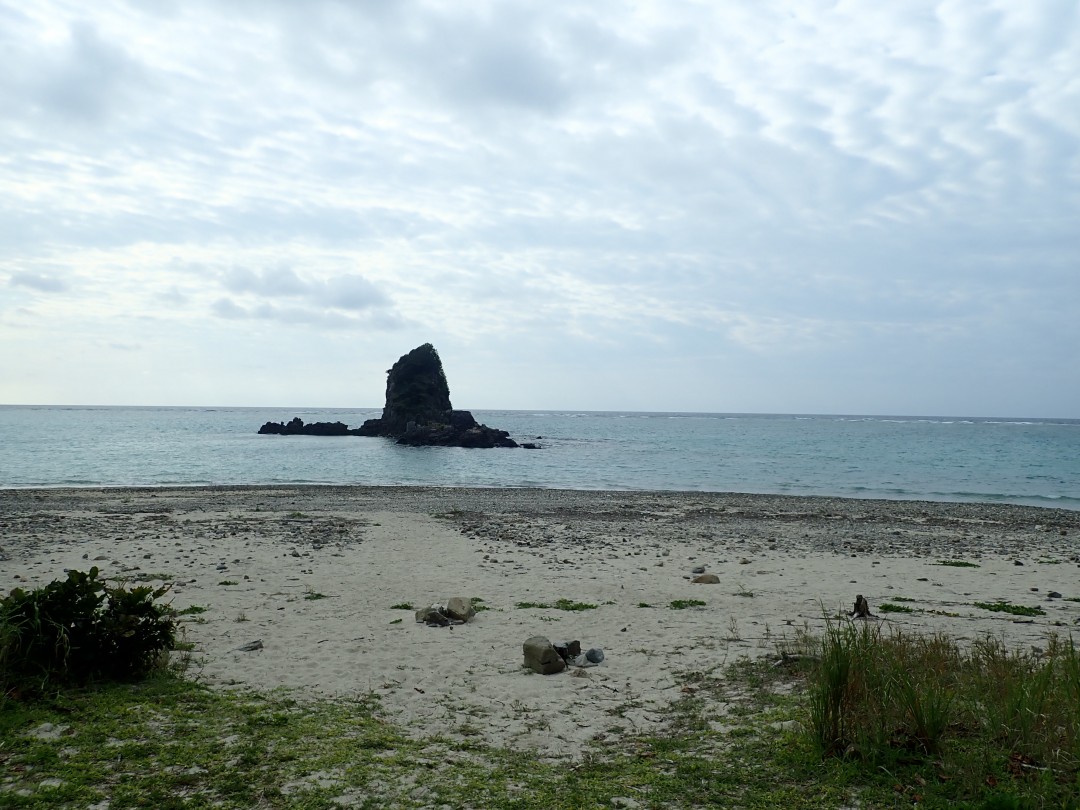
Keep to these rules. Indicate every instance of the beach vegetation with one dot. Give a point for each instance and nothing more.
(733, 629)
(1002, 733)
(402, 606)
(478, 604)
(957, 564)
(80, 629)
(313, 595)
(1006, 607)
(152, 576)
(228, 582)
(888, 607)
(560, 604)
(644, 605)
(968, 719)
(192, 610)
(571, 605)
(683, 604)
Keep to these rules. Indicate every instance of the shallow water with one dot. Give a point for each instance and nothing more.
(1033, 461)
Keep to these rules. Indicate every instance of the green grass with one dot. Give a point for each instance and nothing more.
(570, 604)
(958, 726)
(1006, 607)
(908, 721)
(887, 607)
(158, 576)
(644, 605)
(192, 610)
(561, 604)
(402, 606)
(957, 564)
(312, 596)
(683, 604)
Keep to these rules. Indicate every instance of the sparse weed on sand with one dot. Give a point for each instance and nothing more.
(859, 716)
(560, 604)
(683, 604)
(1006, 607)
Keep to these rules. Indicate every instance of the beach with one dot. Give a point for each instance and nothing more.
(320, 577)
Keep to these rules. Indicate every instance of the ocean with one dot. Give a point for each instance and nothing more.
(1023, 461)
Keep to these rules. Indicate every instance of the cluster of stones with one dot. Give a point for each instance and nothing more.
(456, 610)
(547, 658)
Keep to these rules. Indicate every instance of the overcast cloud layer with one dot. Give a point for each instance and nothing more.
(840, 207)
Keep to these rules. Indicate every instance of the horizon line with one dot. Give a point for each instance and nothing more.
(820, 414)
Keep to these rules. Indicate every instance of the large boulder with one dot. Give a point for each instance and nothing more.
(418, 410)
(541, 656)
(416, 391)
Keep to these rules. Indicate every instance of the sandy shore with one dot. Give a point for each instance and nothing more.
(782, 562)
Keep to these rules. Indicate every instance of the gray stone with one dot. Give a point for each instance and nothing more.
(1053, 595)
(698, 570)
(594, 655)
(460, 608)
(541, 657)
(707, 579)
(432, 615)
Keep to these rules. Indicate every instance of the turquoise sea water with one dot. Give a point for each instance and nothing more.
(1028, 461)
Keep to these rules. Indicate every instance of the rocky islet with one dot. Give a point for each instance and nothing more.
(417, 411)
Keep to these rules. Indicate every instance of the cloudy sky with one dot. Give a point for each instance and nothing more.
(811, 206)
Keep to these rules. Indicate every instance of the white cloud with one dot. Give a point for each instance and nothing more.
(821, 184)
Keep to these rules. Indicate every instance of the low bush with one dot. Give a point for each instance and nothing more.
(80, 629)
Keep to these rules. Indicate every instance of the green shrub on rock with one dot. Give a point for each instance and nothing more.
(80, 629)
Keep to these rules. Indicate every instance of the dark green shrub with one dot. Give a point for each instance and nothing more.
(79, 629)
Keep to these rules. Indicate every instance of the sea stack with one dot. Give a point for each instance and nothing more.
(418, 410)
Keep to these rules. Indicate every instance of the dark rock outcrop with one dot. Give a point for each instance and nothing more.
(417, 411)
(296, 427)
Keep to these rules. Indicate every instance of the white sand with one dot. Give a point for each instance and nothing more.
(367, 549)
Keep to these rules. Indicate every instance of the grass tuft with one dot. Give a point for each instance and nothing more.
(1006, 607)
(561, 604)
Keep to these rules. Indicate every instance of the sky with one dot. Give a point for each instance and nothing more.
(741, 206)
